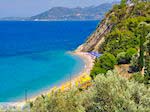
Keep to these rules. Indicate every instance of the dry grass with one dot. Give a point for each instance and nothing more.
(123, 70)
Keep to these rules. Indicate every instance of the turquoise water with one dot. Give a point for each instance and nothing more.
(33, 55)
(35, 72)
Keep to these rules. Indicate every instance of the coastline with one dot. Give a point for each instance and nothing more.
(88, 60)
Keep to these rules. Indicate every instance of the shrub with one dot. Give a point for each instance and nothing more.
(107, 61)
(130, 52)
(119, 41)
(125, 57)
(134, 64)
(115, 94)
(103, 64)
(147, 69)
(97, 70)
(138, 77)
(58, 101)
(121, 58)
(109, 93)
(134, 60)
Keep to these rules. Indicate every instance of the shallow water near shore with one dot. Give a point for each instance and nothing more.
(36, 72)
(33, 55)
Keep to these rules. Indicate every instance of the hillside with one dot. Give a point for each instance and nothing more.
(119, 18)
(123, 38)
(63, 13)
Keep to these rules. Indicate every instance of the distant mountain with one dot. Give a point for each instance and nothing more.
(63, 13)
(13, 19)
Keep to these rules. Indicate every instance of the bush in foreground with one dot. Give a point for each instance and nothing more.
(115, 94)
(137, 77)
(109, 93)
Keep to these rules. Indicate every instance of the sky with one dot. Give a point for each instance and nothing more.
(26, 8)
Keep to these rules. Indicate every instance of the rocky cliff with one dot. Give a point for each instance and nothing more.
(97, 38)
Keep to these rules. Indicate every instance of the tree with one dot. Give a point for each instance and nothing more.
(121, 58)
(143, 32)
(147, 59)
(103, 64)
(112, 93)
(123, 3)
(130, 52)
(58, 101)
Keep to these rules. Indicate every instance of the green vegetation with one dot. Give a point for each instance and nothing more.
(129, 35)
(117, 42)
(147, 58)
(137, 77)
(130, 52)
(121, 58)
(134, 63)
(128, 42)
(125, 57)
(125, 32)
(108, 93)
(144, 29)
(103, 64)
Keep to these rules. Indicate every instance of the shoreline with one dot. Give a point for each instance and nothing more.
(88, 60)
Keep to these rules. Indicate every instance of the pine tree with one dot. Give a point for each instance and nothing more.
(147, 59)
(142, 34)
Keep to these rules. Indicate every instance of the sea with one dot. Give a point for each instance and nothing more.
(34, 55)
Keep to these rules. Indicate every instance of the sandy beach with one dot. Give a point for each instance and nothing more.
(88, 60)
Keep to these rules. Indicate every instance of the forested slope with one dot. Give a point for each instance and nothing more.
(124, 38)
(117, 31)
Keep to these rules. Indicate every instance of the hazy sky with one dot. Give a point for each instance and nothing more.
(23, 8)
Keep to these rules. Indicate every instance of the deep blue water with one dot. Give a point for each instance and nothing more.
(33, 55)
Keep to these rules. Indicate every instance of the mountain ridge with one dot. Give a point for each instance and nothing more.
(65, 13)
(78, 13)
